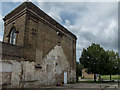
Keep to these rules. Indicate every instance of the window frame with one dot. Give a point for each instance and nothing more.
(12, 36)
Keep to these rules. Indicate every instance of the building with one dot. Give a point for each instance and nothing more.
(36, 50)
(86, 75)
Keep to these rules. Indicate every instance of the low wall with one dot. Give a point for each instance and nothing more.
(10, 52)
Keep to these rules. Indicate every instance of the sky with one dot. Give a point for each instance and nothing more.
(91, 22)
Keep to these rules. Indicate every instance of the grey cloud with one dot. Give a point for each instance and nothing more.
(91, 21)
(93, 24)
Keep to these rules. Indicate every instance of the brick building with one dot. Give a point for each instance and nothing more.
(36, 50)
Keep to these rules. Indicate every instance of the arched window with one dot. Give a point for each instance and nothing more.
(12, 36)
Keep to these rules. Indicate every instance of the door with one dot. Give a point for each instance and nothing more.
(65, 77)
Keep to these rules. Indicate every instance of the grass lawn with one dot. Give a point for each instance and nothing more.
(107, 77)
(95, 82)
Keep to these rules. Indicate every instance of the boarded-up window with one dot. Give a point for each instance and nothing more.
(5, 73)
(38, 58)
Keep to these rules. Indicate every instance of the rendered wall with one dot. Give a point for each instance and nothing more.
(25, 74)
(42, 53)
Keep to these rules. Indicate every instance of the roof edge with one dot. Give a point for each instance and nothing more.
(41, 13)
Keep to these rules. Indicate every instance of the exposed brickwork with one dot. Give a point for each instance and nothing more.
(43, 49)
(6, 78)
(11, 52)
(38, 11)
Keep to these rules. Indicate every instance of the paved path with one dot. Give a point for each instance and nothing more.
(87, 86)
(101, 86)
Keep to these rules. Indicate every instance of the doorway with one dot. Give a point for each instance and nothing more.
(65, 77)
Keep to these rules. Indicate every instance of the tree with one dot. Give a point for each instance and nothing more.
(113, 63)
(79, 68)
(95, 59)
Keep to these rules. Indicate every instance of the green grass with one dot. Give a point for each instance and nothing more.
(104, 77)
(88, 78)
(107, 77)
(79, 76)
(94, 82)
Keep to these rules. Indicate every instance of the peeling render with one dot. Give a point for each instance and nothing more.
(24, 73)
(43, 51)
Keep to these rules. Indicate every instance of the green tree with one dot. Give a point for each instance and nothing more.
(79, 68)
(95, 59)
(113, 67)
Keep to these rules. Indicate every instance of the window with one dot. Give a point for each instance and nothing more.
(12, 36)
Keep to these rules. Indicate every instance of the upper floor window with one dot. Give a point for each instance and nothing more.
(12, 38)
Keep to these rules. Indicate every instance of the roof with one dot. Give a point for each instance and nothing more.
(33, 7)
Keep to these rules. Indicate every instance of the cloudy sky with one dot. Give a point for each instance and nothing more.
(91, 22)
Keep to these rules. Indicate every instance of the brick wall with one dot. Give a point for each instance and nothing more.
(11, 52)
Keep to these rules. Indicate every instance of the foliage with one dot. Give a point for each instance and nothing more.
(95, 59)
(113, 62)
(99, 61)
(79, 68)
